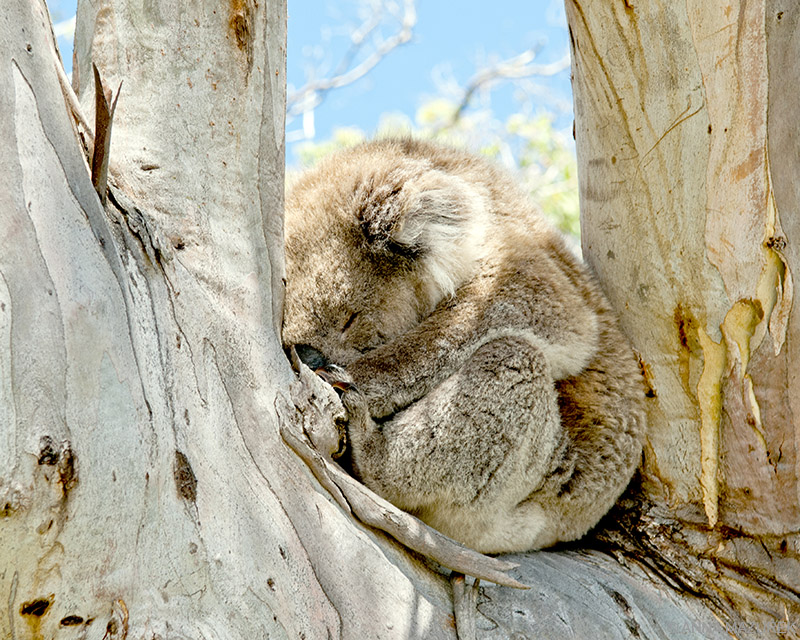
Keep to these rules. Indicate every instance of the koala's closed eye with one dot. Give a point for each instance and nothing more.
(350, 321)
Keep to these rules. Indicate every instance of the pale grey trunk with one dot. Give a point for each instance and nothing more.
(146, 491)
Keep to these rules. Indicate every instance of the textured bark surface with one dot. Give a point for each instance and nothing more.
(689, 155)
(145, 488)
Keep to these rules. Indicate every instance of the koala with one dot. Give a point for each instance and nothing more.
(487, 386)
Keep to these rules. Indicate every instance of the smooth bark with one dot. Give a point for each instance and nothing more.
(146, 490)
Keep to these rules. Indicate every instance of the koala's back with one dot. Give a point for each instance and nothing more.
(495, 396)
(602, 406)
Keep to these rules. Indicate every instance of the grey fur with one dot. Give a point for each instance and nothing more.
(492, 394)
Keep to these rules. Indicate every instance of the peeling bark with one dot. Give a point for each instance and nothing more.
(674, 103)
(103, 118)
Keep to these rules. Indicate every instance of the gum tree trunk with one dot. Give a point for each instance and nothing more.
(688, 150)
(146, 490)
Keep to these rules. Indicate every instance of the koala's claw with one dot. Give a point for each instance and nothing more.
(353, 401)
(337, 377)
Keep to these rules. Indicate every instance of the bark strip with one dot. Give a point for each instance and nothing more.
(465, 605)
(104, 114)
(376, 512)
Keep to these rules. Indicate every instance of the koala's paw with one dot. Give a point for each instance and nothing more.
(337, 377)
(353, 401)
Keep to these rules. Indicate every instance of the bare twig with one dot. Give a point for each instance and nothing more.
(515, 68)
(73, 103)
(66, 87)
(310, 96)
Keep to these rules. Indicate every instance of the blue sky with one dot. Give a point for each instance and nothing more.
(448, 45)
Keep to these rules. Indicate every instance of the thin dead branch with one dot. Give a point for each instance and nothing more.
(312, 402)
(514, 68)
(71, 99)
(311, 95)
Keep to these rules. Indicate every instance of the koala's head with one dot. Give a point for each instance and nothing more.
(376, 237)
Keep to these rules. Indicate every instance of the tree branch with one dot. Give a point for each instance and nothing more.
(312, 403)
(310, 96)
(515, 68)
(66, 87)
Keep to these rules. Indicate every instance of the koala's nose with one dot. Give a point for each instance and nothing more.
(310, 357)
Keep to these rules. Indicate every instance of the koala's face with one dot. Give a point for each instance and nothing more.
(375, 239)
(342, 298)
(340, 301)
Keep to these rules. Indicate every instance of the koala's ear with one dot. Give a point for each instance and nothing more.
(416, 213)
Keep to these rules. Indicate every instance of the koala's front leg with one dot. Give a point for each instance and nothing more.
(484, 439)
(402, 371)
(548, 312)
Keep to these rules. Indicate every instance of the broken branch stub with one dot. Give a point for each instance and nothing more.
(465, 603)
(104, 114)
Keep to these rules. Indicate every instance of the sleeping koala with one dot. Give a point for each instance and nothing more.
(488, 388)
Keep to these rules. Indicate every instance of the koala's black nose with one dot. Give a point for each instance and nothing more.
(310, 357)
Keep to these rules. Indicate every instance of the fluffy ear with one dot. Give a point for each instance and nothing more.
(413, 213)
(434, 218)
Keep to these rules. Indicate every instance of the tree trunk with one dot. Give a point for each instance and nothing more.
(688, 151)
(146, 490)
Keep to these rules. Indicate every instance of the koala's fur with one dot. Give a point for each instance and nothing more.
(494, 396)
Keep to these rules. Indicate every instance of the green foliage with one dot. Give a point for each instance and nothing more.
(343, 137)
(542, 158)
(550, 169)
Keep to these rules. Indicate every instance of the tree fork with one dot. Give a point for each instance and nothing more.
(145, 335)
